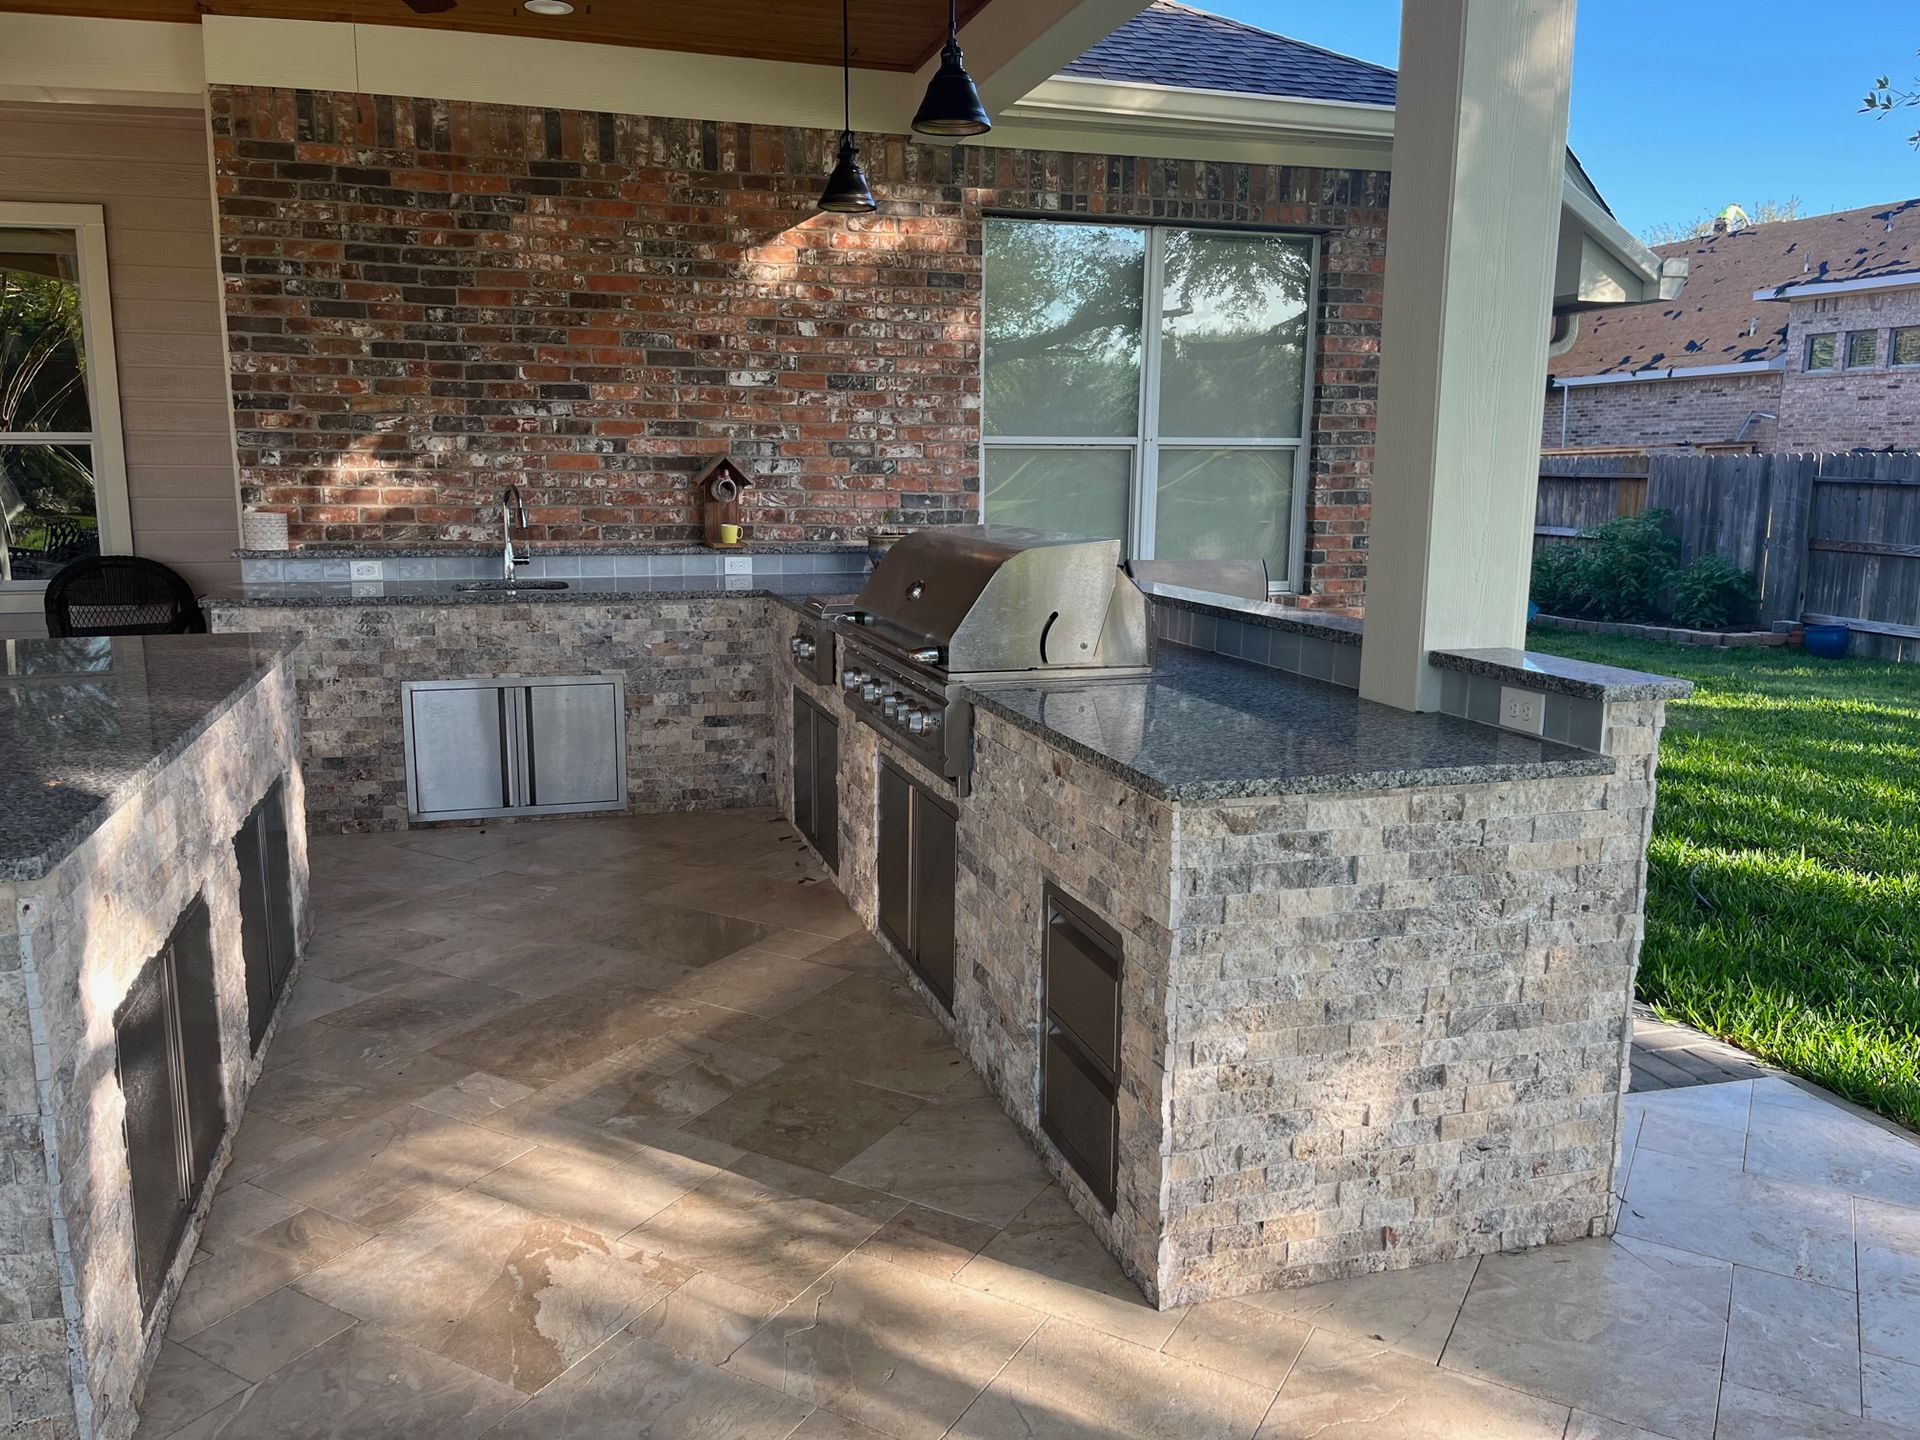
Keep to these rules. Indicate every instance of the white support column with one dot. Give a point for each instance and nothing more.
(1479, 147)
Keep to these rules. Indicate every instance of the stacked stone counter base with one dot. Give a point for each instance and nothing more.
(1362, 1029)
(75, 935)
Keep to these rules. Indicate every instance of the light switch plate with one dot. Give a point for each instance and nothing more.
(1523, 710)
(366, 570)
(739, 564)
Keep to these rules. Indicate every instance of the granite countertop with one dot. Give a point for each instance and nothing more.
(595, 590)
(1536, 671)
(1326, 624)
(83, 723)
(1203, 727)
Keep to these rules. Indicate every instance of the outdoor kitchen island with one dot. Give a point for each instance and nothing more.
(1284, 985)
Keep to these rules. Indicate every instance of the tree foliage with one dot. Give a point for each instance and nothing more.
(1761, 212)
(42, 389)
(1883, 99)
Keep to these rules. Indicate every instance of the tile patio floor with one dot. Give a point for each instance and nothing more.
(620, 1128)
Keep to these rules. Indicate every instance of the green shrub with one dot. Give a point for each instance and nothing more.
(1618, 570)
(1713, 592)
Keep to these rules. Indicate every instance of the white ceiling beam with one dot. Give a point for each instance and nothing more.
(1013, 45)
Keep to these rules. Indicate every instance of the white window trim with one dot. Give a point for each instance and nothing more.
(112, 510)
(1145, 445)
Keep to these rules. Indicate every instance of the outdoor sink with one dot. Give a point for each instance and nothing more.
(511, 585)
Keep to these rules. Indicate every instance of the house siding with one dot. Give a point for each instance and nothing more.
(427, 300)
(147, 170)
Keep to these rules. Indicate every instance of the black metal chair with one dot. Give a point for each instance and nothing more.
(121, 595)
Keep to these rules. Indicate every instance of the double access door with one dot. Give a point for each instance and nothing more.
(514, 746)
(167, 1060)
(916, 876)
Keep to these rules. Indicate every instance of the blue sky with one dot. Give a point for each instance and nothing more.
(1680, 109)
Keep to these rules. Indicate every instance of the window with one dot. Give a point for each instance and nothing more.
(1863, 348)
(1150, 384)
(1821, 350)
(1905, 349)
(62, 480)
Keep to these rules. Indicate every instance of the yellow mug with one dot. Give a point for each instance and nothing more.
(729, 534)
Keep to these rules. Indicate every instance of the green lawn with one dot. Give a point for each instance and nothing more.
(1783, 899)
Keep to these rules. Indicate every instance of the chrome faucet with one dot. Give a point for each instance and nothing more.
(509, 502)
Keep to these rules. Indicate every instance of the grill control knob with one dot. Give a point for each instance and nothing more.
(852, 678)
(894, 706)
(870, 690)
(933, 721)
(804, 649)
(794, 644)
(917, 721)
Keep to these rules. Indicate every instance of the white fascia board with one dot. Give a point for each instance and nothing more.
(1809, 289)
(76, 59)
(1672, 372)
(1129, 118)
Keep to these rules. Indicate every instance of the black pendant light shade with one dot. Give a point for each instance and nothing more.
(952, 103)
(847, 190)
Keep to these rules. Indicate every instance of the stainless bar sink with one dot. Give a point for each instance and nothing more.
(511, 585)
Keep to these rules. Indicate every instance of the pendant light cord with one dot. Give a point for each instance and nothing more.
(846, 72)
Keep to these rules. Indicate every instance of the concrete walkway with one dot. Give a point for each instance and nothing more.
(622, 1128)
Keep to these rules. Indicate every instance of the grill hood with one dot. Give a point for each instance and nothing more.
(993, 598)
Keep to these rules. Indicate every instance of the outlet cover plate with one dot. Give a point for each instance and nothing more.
(365, 570)
(1523, 710)
(739, 564)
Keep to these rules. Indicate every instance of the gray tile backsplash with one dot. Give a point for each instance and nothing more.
(295, 569)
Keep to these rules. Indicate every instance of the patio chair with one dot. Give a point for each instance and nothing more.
(121, 595)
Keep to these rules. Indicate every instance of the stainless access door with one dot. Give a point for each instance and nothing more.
(575, 749)
(457, 762)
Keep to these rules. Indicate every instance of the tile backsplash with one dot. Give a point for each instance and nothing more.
(341, 568)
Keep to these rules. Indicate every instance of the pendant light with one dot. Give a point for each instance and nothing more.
(952, 104)
(847, 190)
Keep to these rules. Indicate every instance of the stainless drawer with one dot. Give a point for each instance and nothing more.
(1079, 1114)
(1083, 987)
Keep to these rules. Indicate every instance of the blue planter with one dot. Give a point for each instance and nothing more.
(1827, 642)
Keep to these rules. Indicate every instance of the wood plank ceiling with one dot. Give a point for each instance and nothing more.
(887, 34)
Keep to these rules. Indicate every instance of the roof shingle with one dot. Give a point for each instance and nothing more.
(1173, 44)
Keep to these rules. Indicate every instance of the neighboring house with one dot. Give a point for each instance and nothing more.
(1790, 335)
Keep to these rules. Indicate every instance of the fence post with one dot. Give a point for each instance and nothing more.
(1783, 573)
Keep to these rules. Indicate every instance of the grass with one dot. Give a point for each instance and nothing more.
(1783, 897)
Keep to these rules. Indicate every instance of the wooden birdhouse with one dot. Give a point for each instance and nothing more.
(720, 489)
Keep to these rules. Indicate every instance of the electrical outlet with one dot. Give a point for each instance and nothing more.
(368, 587)
(737, 582)
(1523, 710)
(739, 564)
(366, 570)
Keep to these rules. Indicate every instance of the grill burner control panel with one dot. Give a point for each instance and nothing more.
(900, 705)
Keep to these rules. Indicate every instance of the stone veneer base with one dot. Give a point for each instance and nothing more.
(1360, 1031)
(699, 731)
(74, 1345)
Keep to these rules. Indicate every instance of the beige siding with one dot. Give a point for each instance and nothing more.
(148, 170)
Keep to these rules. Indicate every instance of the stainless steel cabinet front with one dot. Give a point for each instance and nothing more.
(514, 746)
(573, 745)
(456, 750)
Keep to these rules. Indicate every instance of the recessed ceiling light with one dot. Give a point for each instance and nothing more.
(547, 7)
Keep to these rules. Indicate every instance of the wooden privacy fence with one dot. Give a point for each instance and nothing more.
(1829, 537)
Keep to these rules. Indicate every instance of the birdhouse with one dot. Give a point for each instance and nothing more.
(719, 488)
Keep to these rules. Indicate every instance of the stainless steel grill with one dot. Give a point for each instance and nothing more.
(977, 605)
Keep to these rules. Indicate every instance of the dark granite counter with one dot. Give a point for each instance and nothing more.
(83, 723)
(1551, 673)
(543, 549)
(1204, 727)
(592, 590)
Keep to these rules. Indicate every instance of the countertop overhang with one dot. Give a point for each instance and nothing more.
(595, 590)
(84, 723)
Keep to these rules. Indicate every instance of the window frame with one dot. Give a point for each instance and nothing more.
(1893, 348)
(1807, 365)
(106, 441)
(1146, 441)
(1845, 355)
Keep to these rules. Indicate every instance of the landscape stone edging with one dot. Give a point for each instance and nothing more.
(1668, 634)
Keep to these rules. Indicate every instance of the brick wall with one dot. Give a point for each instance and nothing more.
(428, 299)
(1876, 405)
(1663, 412)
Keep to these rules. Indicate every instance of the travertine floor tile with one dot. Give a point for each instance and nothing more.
(243, 1211)
(636, 1388)
(1071, 1383)
(706, 1319)
(1048, 1259)
(640, 1095)
(806, 1117)
(1820, 1144)
(1411, 1310)
(860, 1040)
(1363, 1391)
(964, 1157)
(1756, 1415)
(930, 1241)
(1891, 1391)
(1258, 1346)
(1788, 1227)
(1794, 1338)
(896, 1350)
(604, 1196)
(1635, 1334)
(1890, 1303)
(258, 1340)
(182, 1387)
(249, 1269)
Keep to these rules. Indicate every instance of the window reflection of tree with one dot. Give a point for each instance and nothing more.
(46, 490)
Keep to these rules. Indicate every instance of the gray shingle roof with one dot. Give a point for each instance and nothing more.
(1173, 44)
